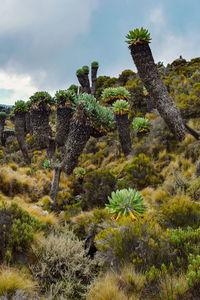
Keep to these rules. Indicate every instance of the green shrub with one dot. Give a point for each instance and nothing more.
(126, 202)
(97, 186)
(140, 173)
(193, 273)
(180, 211)
(79, 172)
(17, 230)
(62, 268)
(194, 189)
(46, 164)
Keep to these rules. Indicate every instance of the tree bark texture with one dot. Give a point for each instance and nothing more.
(41, 128)
(124, 133)
(79, 134)
(20, 126)
(86, 87)
(64, 115)
(29, 128)
(2, 124)
(94, 80)
(55, 184)
(143, 59)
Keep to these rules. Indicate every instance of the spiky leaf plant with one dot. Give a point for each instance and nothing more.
(41, 98)
(138, 36)
(95, 64)
(99, 117)
(79, 72)
(140, 124)
(20, 106)
(63, 97)
(126, 202)
(73, 88)
(114, 93)
(121, 107)
(79, 172)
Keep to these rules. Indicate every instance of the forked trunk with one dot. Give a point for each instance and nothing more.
(142, 56)
(79, 134)
(124, 133)
(94, 80)
(41, 128)
(64, 114)
(20, 126)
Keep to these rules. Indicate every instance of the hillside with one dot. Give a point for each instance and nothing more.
(71, 246)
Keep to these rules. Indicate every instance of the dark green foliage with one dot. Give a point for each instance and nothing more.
(20, 106)
(140, 173)
(95, 64)
(17, 229)
(85, 69)
(3, 115)
(63, 97)
(97, 186)
(41, 98)
(73, 88)
(79, 72)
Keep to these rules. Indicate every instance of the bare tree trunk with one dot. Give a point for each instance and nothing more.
(94, 80)
(20, 126)
(2, 124)
(29, 128)
(142, 56)
(55, 183)
(64, 115)
(124, 133)
(41, 128)
(86, 87)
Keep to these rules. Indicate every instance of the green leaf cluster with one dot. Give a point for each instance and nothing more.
(79, 172)
(121, 107)
(114, 93)
(73, 88)
(63, 97)
(20, 106)
(41, 98)
(3, 115)
(140, 124)
(126, 202)
(46, 164)
(79, 72)
(85, 69)
(138, 36)
(95, 64)
(101, 118)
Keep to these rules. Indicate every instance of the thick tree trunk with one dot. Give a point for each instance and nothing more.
(94, 80)
(81, 80)
(41, 128)
(55, 183)
(142, 56)
(20, 126)
(64, 114)
(2, 124)
(79, 134)
(124, 133)
(29, 128)
(86, 87)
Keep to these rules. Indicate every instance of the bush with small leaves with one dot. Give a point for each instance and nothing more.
(62, 266)
(140, 124)
(126, 202)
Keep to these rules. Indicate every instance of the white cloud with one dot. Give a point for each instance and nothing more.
(157, 17)
(21, 85)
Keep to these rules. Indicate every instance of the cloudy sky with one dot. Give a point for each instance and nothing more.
(44, 42)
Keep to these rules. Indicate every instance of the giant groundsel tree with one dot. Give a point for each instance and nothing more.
(138, 41)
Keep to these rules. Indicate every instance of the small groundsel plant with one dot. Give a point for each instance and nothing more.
(79, 172)
(121, 107)
(138, 36)
(115, 93)
(41, 98)
(126, 202)
(46, 164)
(20, 106)
(101, 118)
(140, 124)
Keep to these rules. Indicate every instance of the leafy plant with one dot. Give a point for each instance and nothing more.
(138, 36)
(140, 124)
(73, 88)
(114, 93)
(79, 172)
(94, 64)
(41, 98)
(79, 72)
(85, 69)
(63, 97)
(46, 164)
(101, 118)
(20, 106)
(3, 115)
(121, 107)
(193, 273)
(126, 202)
